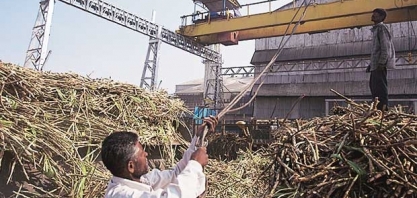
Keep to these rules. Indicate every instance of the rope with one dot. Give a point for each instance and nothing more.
(235, 100)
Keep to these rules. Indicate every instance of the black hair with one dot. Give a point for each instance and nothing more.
(382, 12)
(117, 149)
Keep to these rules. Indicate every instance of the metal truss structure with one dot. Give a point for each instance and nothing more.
(37, 52)
(138, 24)
(150, 69)
(238, 71)
(336, 64)
(316, 65)
(213, 86)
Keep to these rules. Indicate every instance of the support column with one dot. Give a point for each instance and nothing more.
(150, 68)
(37, 53)
(213, 83)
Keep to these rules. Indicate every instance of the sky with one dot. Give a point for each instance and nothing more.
(88, 45)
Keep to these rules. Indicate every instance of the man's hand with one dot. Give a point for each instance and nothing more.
(368, 69)
(200, 155)
(211, 122)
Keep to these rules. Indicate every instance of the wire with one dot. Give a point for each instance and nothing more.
(280, 49)
(245, 105)
(237, 98)
(288, 27)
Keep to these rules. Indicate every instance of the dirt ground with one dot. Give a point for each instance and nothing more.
(18, 180)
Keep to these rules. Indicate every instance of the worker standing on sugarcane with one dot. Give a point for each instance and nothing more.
(382, 57)
(125, 158)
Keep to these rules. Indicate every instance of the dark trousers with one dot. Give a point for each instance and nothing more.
(379, 87)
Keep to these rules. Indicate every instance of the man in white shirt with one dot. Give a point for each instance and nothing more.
(125, 158)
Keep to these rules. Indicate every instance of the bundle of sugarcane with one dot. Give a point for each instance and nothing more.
(361, 152)
(54, 124)
(226, 146)
(241, 177)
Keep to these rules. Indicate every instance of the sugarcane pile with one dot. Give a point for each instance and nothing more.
(226, 146)
(357, 152)
(241, 177)
(360, 152)
(53, 125)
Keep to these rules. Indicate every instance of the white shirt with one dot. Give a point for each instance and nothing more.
(186, 179)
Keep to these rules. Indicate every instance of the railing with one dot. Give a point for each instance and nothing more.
(205, 16)
(238, 71)
(402, 60)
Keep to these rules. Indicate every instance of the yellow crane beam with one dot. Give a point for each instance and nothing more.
(316, 26)
(318, 18)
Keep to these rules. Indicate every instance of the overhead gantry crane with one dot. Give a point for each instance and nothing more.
(230, 29)
(222, 23)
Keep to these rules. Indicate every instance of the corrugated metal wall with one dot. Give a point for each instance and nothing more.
(403, 29)
(192, 100)
(308, 107)
(312, 64)
(398, 30)
(351, 82)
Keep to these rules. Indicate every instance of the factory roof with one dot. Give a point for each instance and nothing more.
(231, 84)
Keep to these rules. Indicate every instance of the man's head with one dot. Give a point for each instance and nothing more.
(124, 156)
(378, 15)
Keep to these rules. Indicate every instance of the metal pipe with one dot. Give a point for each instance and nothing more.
(270, 6)
(45, 41)
(245, 5)
(256, 3)
(224, 7)
(153, 16)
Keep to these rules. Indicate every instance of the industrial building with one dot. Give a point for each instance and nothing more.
(191, 93)
(312, 64)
